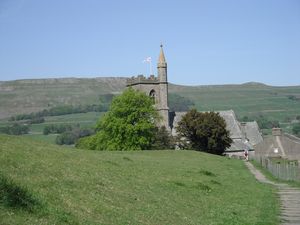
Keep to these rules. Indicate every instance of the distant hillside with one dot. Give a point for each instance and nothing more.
(249, 99)
(25, 96)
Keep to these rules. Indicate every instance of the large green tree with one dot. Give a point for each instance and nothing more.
(204, 132)
(128, 125)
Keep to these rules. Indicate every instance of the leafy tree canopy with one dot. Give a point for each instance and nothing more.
(204, 132)
(128, 125)
(296, 129)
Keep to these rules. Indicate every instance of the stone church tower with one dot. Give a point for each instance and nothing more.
(155, 87)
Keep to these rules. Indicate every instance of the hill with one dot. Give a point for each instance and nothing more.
(58, 185)
(26, 96)
(249, 99)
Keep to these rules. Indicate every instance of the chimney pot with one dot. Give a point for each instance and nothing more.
(276, 131)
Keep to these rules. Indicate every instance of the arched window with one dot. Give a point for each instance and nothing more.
(152, 94)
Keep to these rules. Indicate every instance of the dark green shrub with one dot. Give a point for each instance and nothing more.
(15, 129)
(67, 138)
(56, 128)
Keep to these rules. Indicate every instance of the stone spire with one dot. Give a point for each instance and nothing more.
(162, 66)
(163, 89)
(161, 58)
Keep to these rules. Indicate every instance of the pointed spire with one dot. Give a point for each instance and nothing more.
(161, 58)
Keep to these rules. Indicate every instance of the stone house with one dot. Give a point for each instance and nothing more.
(279, 145)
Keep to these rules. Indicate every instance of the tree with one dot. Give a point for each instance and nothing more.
(162, 139)
(71, 137)
(88, 142)
(66, 138)
(296, 129)
(264, 123)
(15, 129)
(204, 132)
(128, 125)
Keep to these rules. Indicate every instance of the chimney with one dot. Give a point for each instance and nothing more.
(276, 131)
(243, 129)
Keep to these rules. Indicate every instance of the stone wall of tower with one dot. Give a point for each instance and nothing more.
(159, 85)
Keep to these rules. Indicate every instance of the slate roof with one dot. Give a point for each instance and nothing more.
(232, 124)
(287, 146)
(252, 132)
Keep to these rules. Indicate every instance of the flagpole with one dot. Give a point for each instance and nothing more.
(149, 60)
(150, 67)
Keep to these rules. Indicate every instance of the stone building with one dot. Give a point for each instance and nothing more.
(280, 145)
(155, 87)
(244, 135)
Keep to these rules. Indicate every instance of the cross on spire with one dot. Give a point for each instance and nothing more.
(161, 58)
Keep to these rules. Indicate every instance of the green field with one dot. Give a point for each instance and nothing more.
(250, 99)
(70, 186)
(83, 119)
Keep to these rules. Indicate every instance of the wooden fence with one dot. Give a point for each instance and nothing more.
(281, 168)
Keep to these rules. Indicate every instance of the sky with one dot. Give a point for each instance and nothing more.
(205, 41)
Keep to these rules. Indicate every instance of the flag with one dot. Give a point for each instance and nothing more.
(148, 60)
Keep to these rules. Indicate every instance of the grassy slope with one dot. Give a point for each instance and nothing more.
(246, 100)
(145, 187)
(26, 96)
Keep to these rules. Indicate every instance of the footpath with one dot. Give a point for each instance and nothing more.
(289, 198)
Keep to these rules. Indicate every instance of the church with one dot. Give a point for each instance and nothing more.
(245, 135)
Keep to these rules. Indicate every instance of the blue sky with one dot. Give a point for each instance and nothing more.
(205, 42)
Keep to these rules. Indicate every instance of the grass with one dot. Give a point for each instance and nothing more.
(246, 100)
(14, 196)
(273, 178)
(143, 187)
(50, 138)
(85, 120)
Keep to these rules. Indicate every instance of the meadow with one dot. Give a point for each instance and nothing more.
(59, 185)
(85, 120)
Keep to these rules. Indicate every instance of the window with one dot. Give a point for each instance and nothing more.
(152, 94)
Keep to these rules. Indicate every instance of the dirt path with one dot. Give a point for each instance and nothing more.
(289, 197)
